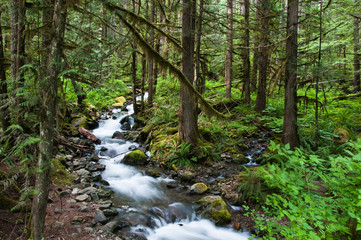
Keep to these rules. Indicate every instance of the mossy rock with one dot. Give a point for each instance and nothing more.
(80, 121)
(214, 208)
(59, 175)
(199, 188)
(343, 133)
(135, 158)
(240, 158)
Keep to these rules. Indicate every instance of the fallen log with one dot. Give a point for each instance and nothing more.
(89, 135)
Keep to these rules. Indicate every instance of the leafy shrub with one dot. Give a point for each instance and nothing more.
(317, 198)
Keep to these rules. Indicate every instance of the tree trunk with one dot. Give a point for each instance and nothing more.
(198, 78)
(47, 115)
(290, 133)
(150, 61)
(187, 127)
(229, 54)
(134, 71)
(246, 61)
(263, 58)
(4, 110)
(356, 49)
(14, 6)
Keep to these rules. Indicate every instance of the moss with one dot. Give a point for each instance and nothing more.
(136, 157)
(343, 133)
(59, 175)
(240, 158)
(215, 208)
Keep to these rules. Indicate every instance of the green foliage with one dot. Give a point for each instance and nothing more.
(251, 186)
(314, 198)
(181, 156)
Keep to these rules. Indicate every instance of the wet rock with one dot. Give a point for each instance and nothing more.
(96, 176)
(132, 148)
(135, 158)
(124, 108)
(153, 173)
(110, 212)
(100, 217)
(83, 198)
(91, 168)
(199, 188)
(105, 206)
(240, 158)
(100, 167)
(214, 208)
(83, 173)
(103, 149)
(125, 126)
(112, 227)
(104, 182)
(94, 158)
(104, 194)
(118, 135)
(88, 229)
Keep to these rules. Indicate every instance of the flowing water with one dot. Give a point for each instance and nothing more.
(154, 211)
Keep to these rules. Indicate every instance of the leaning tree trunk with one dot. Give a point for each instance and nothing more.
(263, 57)
(4, 110)
(49, 87)
(290, 133)
(246, 61)
(229, 53)
(356, 50)
(187, 126)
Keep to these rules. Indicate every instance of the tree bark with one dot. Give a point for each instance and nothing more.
(229, 54)
(263, 56)
(246, 61)
(150, 61)
(290, 132)
(48, 107)
(187, 126)
(356, 50)
(198, 78)
(4, 110)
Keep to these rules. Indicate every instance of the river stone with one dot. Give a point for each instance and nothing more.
(125, 126)
(96, 176)
(135, 158)
(84, 209)
(105, 205)
(187, 175)
(100, 167)
(103, 149)
(88, 190)
(124, 108)
(94, 196)
(83, 173)
(111, 227)
(109, 212)
(75, 191)
(82, 198)
(199, 188)
(118, 135)
(100, 217)
(215, 209)
(94, 158)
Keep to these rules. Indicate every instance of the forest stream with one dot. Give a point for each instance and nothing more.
(157, 211)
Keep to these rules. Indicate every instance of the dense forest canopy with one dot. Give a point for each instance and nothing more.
(214, 72)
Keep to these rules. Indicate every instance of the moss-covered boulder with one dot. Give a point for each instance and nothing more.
(135, 158)
(343, 133)
(199, 188)
(59, 175)
(215, 209)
